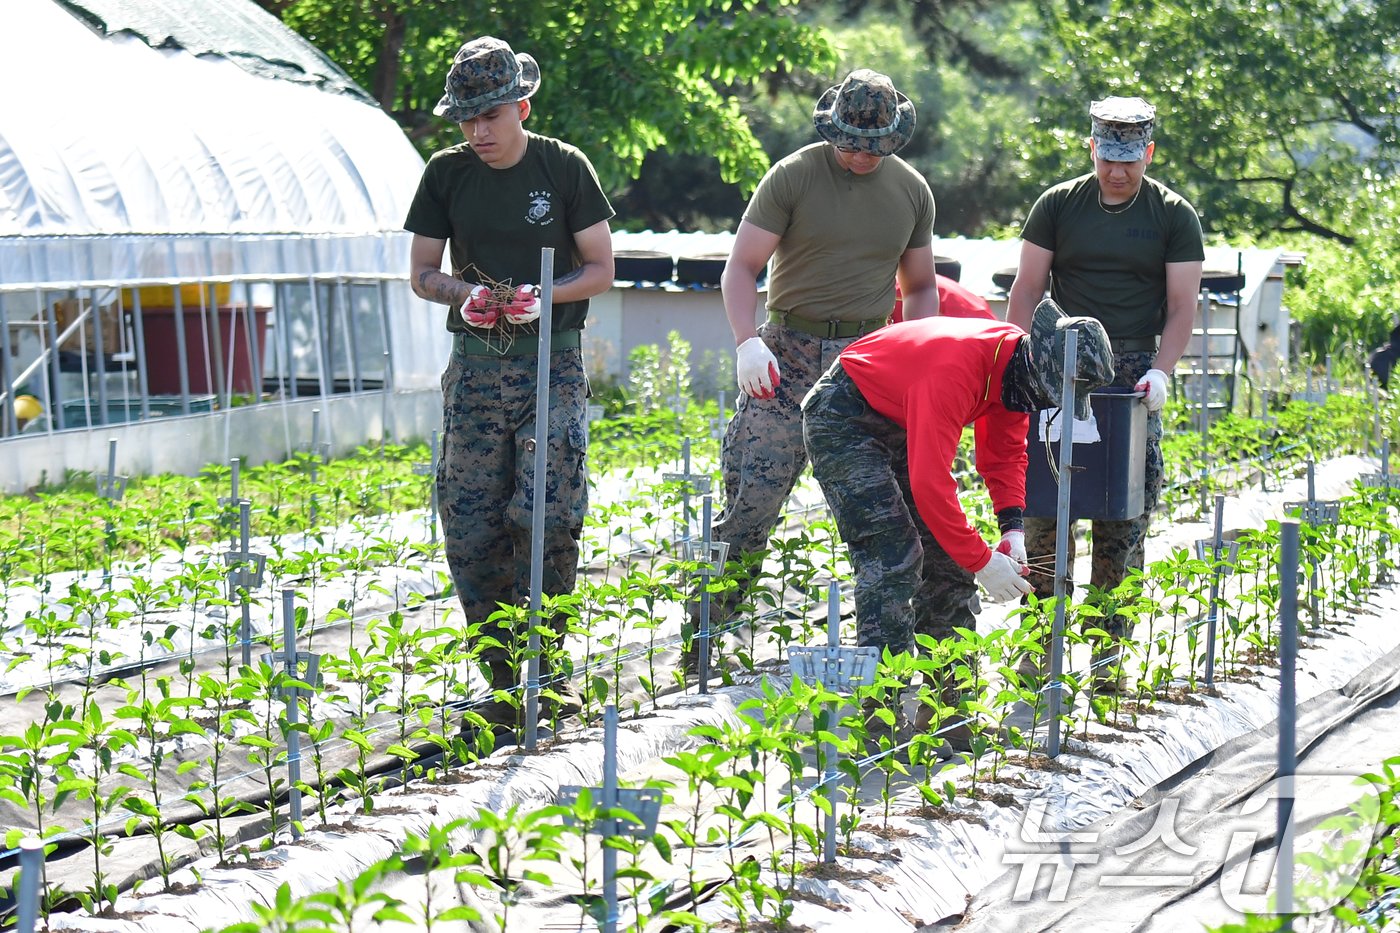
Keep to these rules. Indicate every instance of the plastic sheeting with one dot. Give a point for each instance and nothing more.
(110, 136)
(1197, 873)
(919, 877)
(244, 33)
(528, 781)
(124, 163)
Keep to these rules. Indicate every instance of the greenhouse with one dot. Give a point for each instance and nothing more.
(235, 245)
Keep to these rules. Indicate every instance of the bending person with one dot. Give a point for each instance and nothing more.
(882, 428)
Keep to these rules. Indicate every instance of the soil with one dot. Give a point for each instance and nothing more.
(1180, 696)
(997, 797)
(1135, 708)
(1260, 659)
(944, 815)
(839, 872)
(177, 887)
(762, 926)
(886, 832)
(1038, 762)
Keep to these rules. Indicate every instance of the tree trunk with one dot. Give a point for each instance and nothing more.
(386, 69)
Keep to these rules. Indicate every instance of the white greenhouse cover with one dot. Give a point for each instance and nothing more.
(121, 162)
(103, 136)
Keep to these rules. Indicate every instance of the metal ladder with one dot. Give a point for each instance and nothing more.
(1216, 356)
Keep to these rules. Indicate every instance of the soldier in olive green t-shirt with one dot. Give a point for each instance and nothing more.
(1123, 248)
(841, 220)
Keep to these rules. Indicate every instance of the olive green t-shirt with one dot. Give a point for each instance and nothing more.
(1112, 266)
(497, 220)
(842, 233)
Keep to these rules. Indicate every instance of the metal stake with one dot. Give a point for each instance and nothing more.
(31, 869)
(690, 482)
(111, 487)
(1287, 716)
(641, 804)
(246, 629)
(703, 636)
(1062, 542)
(609, 824)
(1205, 397)
(833, 640)
(245, 573)
(233, 495)
(289, 664)
(1211, 621)
(532, 664)
(1315, 577)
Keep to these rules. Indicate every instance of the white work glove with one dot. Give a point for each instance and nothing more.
(1154, 383)
(481, 310)
(1001, 578)
(525, 306)
(1013, 545)
(758, 369)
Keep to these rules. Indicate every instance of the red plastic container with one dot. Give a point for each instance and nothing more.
(163, 357)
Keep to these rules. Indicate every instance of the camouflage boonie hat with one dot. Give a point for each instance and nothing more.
(1093, 355)
(865, 112)
(486, 73)
(1122, 127)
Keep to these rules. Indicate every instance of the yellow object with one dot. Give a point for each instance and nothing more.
(163, 296)
(27, 407)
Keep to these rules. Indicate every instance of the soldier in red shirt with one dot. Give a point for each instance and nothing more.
(881, 429)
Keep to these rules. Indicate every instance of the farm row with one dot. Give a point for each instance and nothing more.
(142, 741)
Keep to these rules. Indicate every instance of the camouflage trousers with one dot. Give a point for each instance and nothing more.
(905, 581)
(1117, 545)
(762, 454)
(486, 479)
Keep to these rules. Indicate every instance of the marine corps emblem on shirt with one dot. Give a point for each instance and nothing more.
(541, 210)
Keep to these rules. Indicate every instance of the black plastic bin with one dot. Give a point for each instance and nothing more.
(1109, 474)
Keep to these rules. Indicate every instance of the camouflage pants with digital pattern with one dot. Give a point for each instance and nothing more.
(905, 582)
(1117, 545)
(486, 480)
(762, 454)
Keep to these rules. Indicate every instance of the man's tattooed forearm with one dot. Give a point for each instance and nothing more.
(435, 286)
(568, 277)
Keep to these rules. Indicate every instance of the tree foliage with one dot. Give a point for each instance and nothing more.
(620, 77)
(1271, 116)
(964, 116)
